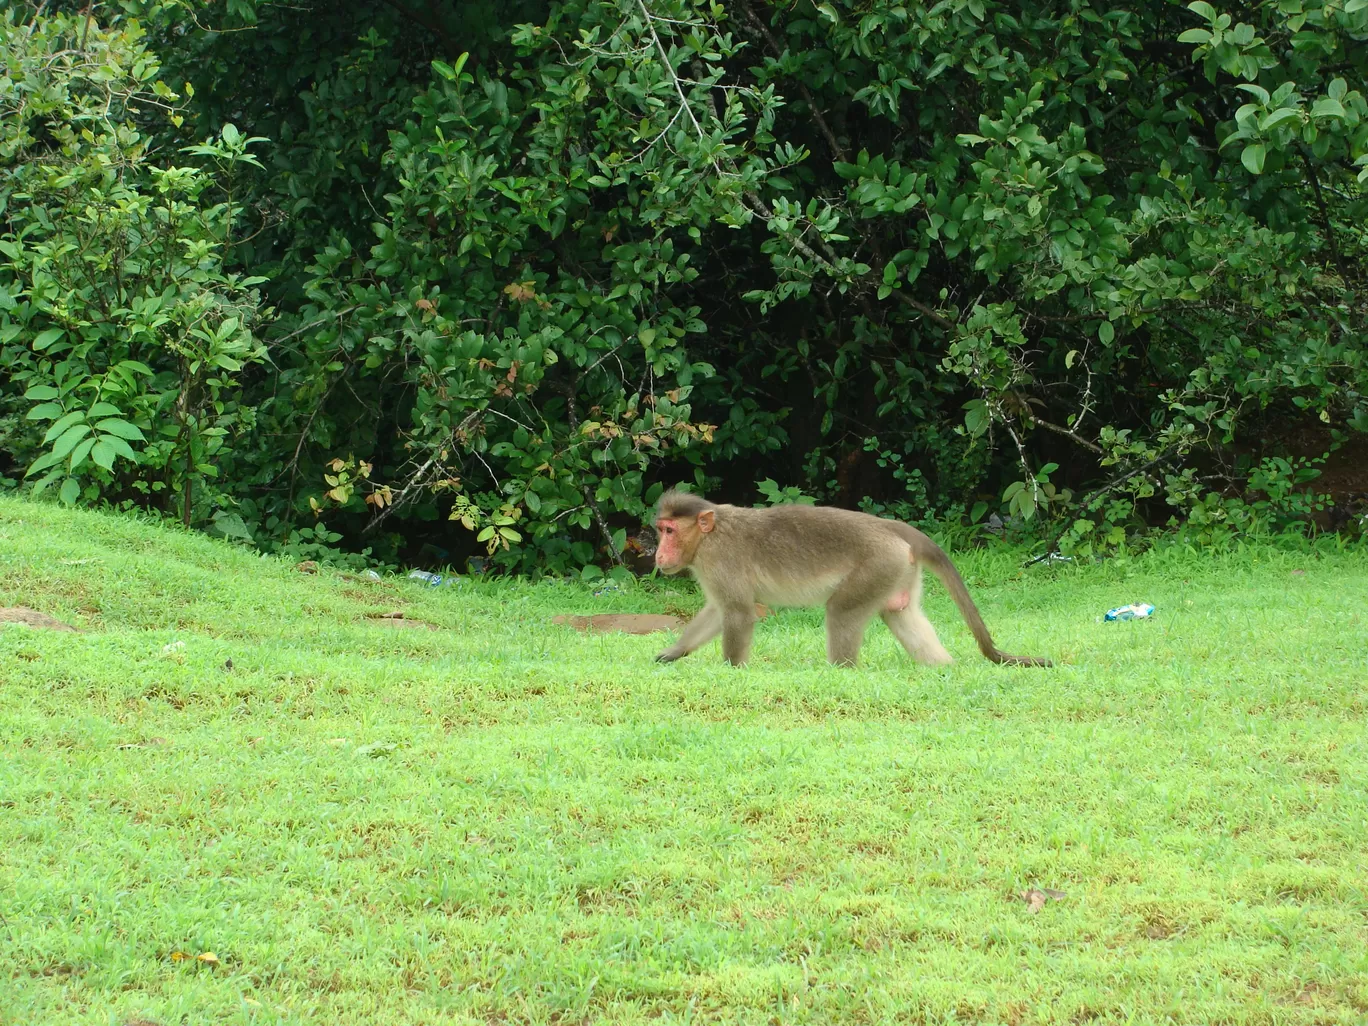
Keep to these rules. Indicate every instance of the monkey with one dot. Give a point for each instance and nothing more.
(855, 564)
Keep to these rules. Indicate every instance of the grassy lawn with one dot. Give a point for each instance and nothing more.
(505, 821)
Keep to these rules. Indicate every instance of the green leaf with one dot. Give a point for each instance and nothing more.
(74, 417)
(69, 440)
(103, 409)
(71, 491)
(121, 447)
(1277, 117)
(1195, 35)
(1337, 88)
(1327, 107)
(976, 417)
(79, 454)
(44, 411)
(1105, 332)
(41, 392)
(41, 484)
(1253, 158)
(42, 463)
(47, 338)
(103, 454)
(1202, 9)
(122, 428)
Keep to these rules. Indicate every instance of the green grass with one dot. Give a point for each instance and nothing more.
(506, 822)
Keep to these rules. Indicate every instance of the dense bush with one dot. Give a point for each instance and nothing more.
(271, 268)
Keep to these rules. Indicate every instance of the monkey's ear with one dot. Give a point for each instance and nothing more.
(707, 520)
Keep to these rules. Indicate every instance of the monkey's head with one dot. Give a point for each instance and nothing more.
(681, 520)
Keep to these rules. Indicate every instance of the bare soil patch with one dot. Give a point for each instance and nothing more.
(626, 623)
(33, 618)
(398, 619)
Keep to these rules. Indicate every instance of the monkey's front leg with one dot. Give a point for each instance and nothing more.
(698, 632)
(738, 628)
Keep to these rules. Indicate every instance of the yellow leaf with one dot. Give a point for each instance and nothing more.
(179, 956)
(521, 291)
(208, 957)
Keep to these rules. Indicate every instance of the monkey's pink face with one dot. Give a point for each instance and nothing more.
(669, 556)
(679, 540)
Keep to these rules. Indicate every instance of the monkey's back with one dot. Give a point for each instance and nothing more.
(800, 554)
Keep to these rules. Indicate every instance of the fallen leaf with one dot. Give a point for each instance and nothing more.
(1036, 897)
(151, 742)
(1299, 573)
(228, 665)
(376, 748)
(208, 957)
(307, 567)
(335, 741)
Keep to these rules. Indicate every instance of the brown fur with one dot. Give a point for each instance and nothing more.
(856, 564)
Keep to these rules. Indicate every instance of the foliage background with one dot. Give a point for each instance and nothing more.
(325, 277)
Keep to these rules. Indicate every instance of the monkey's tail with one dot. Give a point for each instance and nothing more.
(935, 558)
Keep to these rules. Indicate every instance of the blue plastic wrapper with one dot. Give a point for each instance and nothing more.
(1134, 611)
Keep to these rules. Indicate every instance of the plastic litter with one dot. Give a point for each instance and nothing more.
(1134, 611)
(432, 580)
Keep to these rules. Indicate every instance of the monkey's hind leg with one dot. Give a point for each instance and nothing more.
(864, 592)
(911, 627)
(917, 635)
